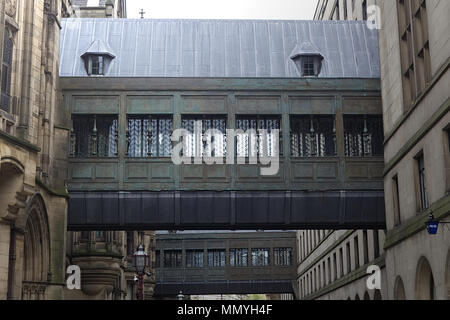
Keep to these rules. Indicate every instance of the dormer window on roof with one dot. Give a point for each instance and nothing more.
(307, 59)
(97, 58)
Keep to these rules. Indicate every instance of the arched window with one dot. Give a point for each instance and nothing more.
(399, 290)
(425, 287)
(36, 252)
(366, 296)
(377, 295)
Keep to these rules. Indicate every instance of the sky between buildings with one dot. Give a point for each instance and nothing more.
(223, 9)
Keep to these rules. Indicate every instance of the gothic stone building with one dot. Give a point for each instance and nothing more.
(414, 54)
(33, 196)
(123, 79)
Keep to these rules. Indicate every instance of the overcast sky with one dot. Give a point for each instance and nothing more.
(223, 9)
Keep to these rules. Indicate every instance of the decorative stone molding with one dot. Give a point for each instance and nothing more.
(11, 7)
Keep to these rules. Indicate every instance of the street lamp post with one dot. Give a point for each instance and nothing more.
(141, 263)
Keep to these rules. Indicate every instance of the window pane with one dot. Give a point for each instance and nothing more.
(363, 136)
(313, 136)
(95, 136)
(206, 136)
(260, 257)
(216, 258)
(194, 259)
(173, 259)
(238, 257)
(258, 136)
(283, 256)
(5, 98)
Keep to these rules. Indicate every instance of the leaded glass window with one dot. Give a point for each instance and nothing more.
(173, 259)
(94, 136)
(96, 65)
(313, 136)
(149, 136)
(258, 136)
(5, 98)
(282, 256)
(260, 257)
(238, 257)
(216, 258)
(206, 136)
(363, 136)
(194, 258)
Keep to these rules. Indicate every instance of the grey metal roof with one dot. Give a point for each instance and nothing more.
(220, 48)
(99, 47)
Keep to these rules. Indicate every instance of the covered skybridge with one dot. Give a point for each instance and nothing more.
(225, 263)
(169, 74)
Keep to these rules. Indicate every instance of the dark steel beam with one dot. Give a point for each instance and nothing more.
(227, 210)
(226, 287)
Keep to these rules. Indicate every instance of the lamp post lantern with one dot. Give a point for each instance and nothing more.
(141, 262)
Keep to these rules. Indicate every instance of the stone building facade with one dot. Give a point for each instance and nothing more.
(33, 197)
(332, 264)
(414, 77)
(100, 8)
(415, 50)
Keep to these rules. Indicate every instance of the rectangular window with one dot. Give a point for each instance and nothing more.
(130, 243)
(258, 136)
(260, 257)
(95, 136)
(335, 271)
(5, 93)
(206, 136)
(349, 259)
(313, 136)
(329, 270)
(396, 201)
(238, 257)
(308, 66)
(282, 256)
(217, 258)
(376, 244)
(356, 248)
(194, 258)
(366, 247)
(363, 136)
(422, 182)
(149, 136)
(414, 48)
(96, 65)
(173, 259)
(341, 258)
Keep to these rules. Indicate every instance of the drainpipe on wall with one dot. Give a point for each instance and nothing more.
(12, 263)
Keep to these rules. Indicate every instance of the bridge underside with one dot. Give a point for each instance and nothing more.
(227, 210)
(229, 287)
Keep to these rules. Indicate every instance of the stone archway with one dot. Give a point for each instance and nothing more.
(399, 289)
(36, 254)
(425, 286)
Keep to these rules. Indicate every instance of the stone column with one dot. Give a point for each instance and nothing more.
(4, 259)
